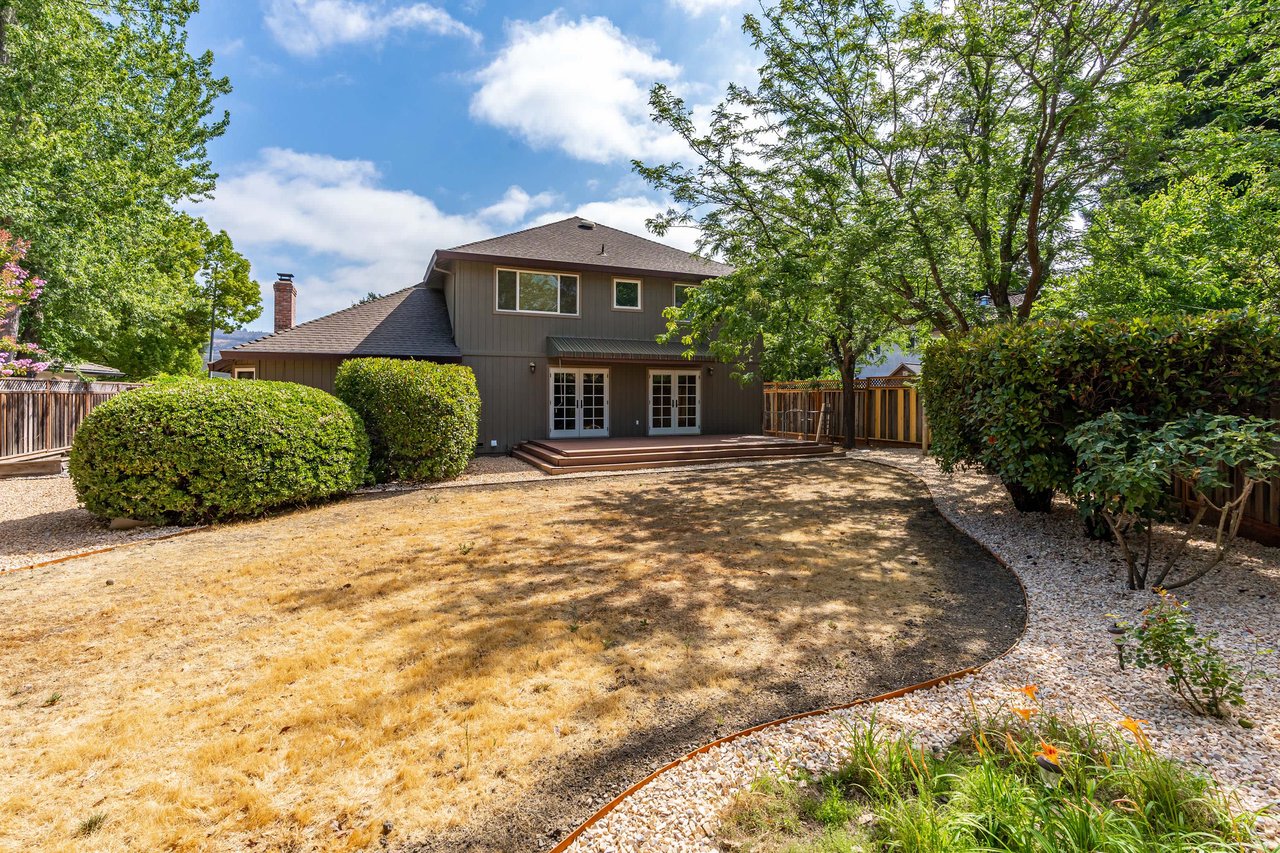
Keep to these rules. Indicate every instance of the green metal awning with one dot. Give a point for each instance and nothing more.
(615, 349)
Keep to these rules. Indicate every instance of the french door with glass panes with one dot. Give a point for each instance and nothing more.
(579, 402)
(675, 402)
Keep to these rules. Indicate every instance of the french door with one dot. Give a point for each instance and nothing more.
(675, 402)
(579, 402)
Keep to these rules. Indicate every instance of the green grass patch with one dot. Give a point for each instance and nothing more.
(1050, 784)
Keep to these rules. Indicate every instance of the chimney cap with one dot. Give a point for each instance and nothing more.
(284, 276)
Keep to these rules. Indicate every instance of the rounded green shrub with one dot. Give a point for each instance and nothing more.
(205, 451)
(423, 418)
(1003, 398)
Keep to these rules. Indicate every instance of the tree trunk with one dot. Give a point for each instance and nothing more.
(1096, 527)
(848, 373)
(1027, 500)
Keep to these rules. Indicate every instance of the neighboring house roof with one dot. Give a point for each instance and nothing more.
(89, 368)
(620, 350)
(576, 243)
(894, 359)
(410, 323)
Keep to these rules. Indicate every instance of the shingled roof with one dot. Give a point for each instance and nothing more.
(410, 323)
(577, 244)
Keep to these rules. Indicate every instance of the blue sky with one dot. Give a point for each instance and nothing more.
(367, 133)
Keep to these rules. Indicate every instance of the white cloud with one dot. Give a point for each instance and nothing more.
(627, 214)
(582, 86)
(516, 204)
(699, 7)
(307, 27)
(335, 225)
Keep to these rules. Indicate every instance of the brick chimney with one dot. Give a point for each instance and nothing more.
(286, 300)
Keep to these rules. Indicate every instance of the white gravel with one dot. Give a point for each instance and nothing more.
(41, 520)
(1072, 585)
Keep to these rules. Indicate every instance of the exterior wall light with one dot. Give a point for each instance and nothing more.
(533, 367)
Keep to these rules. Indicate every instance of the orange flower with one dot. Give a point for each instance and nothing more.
(1024, 713)
(1135, 728)
(1030, 691)
(1050, 753)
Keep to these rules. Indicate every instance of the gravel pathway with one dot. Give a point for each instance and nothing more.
(41, 520)
(1073, 586)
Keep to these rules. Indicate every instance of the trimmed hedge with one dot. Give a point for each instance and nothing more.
(205, 451)
(423, 418)
(1004, 397)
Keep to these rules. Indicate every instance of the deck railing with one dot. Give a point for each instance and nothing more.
(887, 410)
(42, 415)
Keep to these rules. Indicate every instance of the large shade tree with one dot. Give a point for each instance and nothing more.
(106, 118)
(927, 164)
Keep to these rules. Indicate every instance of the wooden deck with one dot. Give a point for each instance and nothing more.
(567, 455)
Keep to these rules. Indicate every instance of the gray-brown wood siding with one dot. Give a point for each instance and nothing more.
(479, 329)
(316, 371)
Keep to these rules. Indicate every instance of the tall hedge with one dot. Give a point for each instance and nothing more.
(423, 418)
(203, 451)
(1004, 397)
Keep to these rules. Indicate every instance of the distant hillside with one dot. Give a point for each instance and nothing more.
(227, 340)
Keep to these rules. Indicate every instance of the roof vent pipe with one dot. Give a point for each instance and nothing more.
(602, 249)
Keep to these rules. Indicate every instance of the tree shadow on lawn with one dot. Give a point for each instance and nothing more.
(781, 583)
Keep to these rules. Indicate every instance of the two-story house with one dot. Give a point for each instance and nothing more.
(559, 324)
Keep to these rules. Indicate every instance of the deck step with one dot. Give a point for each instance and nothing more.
(34, 465)
(553, 460)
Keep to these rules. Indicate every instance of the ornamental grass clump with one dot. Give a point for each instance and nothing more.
(423, 418)
(206, 451)
(1011, 782)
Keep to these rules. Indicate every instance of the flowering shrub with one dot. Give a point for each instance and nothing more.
(17, 287)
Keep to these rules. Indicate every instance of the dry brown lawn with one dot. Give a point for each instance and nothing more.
(463, 669)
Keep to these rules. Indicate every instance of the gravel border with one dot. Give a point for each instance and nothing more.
(41, 521)
(1075, 589)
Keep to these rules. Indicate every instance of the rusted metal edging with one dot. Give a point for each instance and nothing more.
(870, 700)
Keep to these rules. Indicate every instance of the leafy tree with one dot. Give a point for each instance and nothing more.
(1190, 224)
(957, 141)
(106, 119)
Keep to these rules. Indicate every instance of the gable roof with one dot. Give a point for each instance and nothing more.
(575, 244)
(410, 323)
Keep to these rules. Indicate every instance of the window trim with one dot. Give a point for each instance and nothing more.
(675, 288)
(639, 283)
(252, 371)
(499, 310)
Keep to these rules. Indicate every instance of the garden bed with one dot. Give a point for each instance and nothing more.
(1075, 586)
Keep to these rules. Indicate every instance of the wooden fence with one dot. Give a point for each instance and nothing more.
(887, 410)
(42, 415)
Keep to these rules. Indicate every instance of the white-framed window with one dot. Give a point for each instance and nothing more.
(626, 294)
(244, 373)
(531, 292)
(682, 292)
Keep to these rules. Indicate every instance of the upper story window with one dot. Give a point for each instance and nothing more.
(525, 292)
(626, 294)
(682, 294)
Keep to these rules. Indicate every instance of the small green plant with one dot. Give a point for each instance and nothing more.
(54, 699)
(91, 824)
(1166, 637)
